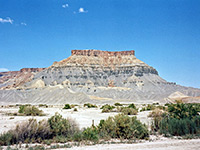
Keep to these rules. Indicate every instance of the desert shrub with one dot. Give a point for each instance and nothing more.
(179, 127)
(182, 119)
(67, 106)
(91, 134)
(118, 104)
(75, 109)
(30, 131)
(152, 107)
(21, 109)
(30, 111)
(128, 111)
(161, 107)
(157, 113)
(156, 103)
(107, 108)
(5, 138)
(56, 128)
(143, 109)
(78, 136)
(132, 106)
(122, 126)
(157, 116)
(43, 105)
(88, 105)
(181, 110)
(62, 127)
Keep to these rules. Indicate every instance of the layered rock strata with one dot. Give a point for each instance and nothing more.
(97, 67)
(92, 76)
(14, 79)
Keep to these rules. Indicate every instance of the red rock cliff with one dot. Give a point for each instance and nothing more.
(99, 53)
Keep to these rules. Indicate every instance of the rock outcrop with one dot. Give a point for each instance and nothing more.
(100, 67)
(97, 76)
(14, 79)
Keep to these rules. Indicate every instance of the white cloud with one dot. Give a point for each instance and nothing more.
(7, 20)
(81, 10)
(3, 70)
(65, 5)
(23, 23)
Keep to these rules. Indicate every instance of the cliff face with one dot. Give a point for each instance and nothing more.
(99, 53)
(97, 67)
(13, 79)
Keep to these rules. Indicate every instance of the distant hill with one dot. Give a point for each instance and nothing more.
(91, 76)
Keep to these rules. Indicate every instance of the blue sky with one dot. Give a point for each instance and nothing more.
(164, 33)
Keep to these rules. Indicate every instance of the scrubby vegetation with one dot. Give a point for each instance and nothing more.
(67, 106)
(152, 107)
(43, 105)
(181, 119)
(88, 105)
(118, 104)
(56, 128)
(122, 126)
(30, 131)
(59, 129)
(175, 120)
(107, 108)
(27, 110)
(127, 111)
(130, 110)
(132, 106)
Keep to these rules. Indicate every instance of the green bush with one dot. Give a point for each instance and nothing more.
(182, 119)
(88, 105)
(122, 126)
(118, 104)
(91, 134)
(181, 110)
(30, 111)
(132, 106)
(43, 105)
(180, 127)
(6, 138)
(21, 109)
(60, 126)
(128, 111)
(107, 108)
(67, 106)
(152, 107)
(78, 136)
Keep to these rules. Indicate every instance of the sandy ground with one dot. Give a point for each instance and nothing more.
(83, 116)
(168, 144)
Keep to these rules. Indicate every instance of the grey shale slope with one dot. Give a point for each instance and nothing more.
(98, 77)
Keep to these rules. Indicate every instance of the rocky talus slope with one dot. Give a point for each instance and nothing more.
(98, 77)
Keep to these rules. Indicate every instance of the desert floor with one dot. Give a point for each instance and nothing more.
(167, 144)
(84, 117)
